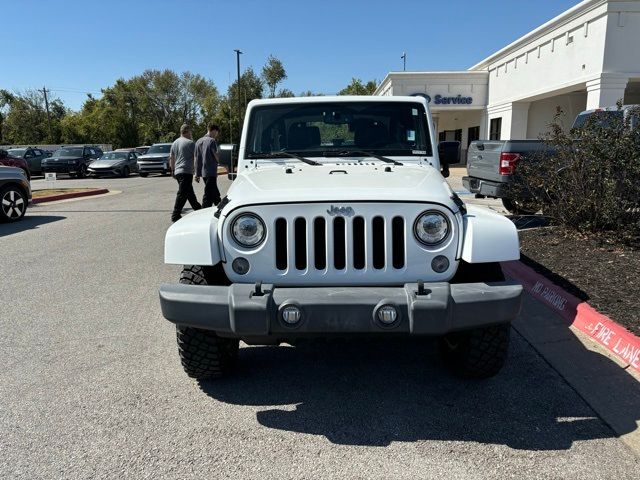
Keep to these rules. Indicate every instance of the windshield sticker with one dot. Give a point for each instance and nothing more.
(411, 135)
(414, 112)
(419, 152)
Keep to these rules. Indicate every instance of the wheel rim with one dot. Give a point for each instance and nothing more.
(13, 204)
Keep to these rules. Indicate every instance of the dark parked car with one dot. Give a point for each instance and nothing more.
(8, 160)
(15, 194)
(33, 156)
(156, 160)
(121, 162)
(73, 160)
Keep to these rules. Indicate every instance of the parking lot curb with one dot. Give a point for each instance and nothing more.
(64, 196)
(612, 336)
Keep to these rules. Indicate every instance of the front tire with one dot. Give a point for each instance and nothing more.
(125, 172)
(13, 204)
(478, 353)
(203, 354)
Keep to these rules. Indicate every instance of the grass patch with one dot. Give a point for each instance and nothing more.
(58, 191)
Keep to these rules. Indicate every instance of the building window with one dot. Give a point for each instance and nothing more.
(495, 128)
(457, 135)
(442, 136)
(473, 134)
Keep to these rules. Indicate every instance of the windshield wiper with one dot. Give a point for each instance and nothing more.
(283, 154)
(362, 153)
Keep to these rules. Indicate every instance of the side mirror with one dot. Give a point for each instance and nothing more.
(4, 154)
(226, 154)
(449, 152)
(232, 176)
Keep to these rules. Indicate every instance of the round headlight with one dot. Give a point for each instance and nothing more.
(431, 228)
(248, 230)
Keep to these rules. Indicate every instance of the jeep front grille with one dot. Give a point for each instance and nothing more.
(340, 243)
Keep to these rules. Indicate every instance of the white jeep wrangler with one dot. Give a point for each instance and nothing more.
(339, 223)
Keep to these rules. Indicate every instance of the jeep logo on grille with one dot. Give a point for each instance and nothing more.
(345, 211)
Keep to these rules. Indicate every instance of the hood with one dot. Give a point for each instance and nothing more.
(62, 159)
(107, 163)
(341, 182)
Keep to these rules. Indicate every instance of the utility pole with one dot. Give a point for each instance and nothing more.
(230, 123)
(404, 61)
(46, 103)
(238, 53)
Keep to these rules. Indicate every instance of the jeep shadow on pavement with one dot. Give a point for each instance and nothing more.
(377, 393)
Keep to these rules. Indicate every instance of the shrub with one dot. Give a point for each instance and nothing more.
(590, 181)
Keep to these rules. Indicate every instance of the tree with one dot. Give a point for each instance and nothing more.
(251, 88)
(285, 93)
(24, 117)
(309, 93)
(273, 73)
(356, 87)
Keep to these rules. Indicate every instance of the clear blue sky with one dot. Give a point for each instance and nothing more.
(77, 46)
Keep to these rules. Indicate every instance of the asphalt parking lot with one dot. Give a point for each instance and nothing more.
(92, 386)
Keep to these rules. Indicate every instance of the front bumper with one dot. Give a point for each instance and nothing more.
(485, 187)
(104, 171)
(441, 308)
(153, 167)
(60, 168)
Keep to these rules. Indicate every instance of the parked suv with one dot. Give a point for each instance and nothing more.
(15, 194)
(156, 160)
(73, 160)
(339, 223)
(33, 156)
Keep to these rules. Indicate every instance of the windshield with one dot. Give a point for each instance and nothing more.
(114, 156)
(17, 152)
(69, 152)
(159, 149)
(317, 129)
(604, 119)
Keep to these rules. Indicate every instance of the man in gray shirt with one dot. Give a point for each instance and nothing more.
(181, 160)
(207, 165)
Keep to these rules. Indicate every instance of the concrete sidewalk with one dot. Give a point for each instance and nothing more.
(600, 378)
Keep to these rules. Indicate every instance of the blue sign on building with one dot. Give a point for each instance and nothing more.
(440, 100)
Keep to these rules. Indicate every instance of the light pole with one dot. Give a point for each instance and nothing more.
(238, 53)
(404, 61)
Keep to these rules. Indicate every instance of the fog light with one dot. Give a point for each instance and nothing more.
(240, 266)
(387, 314)
(291, 314)
(440, 264)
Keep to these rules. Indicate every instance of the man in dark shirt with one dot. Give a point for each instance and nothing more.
(181, 161)
(206, 159)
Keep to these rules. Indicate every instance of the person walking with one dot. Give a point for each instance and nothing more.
(207, 165)
(181, 162)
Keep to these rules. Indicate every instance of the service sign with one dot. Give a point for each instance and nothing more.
(50, 176)
(446, 99)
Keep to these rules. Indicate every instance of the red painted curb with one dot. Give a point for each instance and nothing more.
(64, 196)
(615, 338)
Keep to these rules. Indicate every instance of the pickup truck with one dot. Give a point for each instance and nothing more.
(491, 164)
(491, 167)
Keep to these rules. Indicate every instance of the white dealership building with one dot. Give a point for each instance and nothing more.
(587, 57)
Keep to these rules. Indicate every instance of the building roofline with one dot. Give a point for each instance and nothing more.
(447, 73)
(568, 15)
